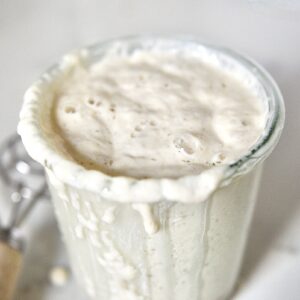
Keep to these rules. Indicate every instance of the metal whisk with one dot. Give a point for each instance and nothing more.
(25, 181)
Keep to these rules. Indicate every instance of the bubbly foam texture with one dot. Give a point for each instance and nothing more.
(160, 113)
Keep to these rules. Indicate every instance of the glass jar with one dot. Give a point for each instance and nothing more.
(141, 239)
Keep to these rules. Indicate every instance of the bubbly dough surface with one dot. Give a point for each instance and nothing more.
(156, 114)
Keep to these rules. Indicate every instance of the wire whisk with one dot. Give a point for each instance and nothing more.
(25, 180)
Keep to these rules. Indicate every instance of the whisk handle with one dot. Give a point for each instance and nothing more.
(10, 265)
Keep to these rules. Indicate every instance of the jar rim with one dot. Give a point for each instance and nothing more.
(76, 175)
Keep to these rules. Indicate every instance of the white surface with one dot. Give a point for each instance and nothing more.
(34, 34)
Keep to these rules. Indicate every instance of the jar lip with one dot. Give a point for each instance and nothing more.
(275, 122)
(76, 175)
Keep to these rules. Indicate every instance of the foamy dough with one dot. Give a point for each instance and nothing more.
(156, 114)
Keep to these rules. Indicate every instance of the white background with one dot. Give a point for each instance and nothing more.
(35, 33)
